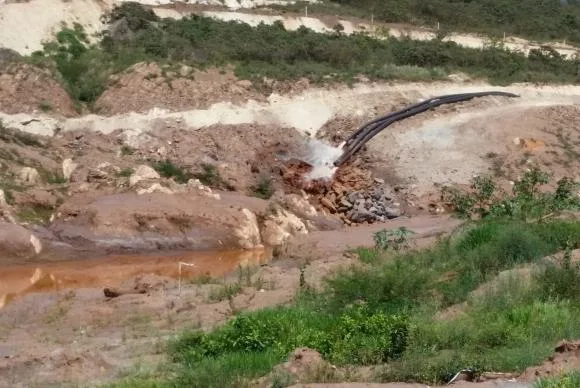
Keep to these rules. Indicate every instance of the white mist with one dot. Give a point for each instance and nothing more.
(321, 155)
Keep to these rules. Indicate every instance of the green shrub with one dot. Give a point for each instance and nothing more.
(264, 189)
(168, 169)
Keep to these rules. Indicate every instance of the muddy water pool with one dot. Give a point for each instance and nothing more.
(113, 271)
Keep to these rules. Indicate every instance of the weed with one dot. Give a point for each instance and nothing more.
(383, 312)
(126, 150)
(45, 106)
(35, 214)
(282, 379)
(395, 239)
(126, 172)
(264, 188)
(224, 292)
(566, 380)
(169, 170)
(210, 176)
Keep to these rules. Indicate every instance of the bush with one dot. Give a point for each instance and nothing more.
(264, 188)
(167, 169)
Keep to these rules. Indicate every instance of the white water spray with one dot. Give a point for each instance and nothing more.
(321, 155)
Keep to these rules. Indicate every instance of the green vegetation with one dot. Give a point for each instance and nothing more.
(263, 189)
(45, 106)
(271, 51)
(126, 172)
(210, 176)
(421, 314)
(534, 19)
(167, 169)
(567, 380)
(526, 201)
(126, 150)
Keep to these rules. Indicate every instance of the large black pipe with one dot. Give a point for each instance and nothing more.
(365, 133)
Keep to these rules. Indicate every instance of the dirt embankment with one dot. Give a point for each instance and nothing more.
(146, 86)
(29, 89)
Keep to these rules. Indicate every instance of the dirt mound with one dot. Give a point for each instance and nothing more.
(566, 358)
(148, 85)
(27, 89)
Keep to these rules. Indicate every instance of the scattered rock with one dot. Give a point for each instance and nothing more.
(68, 167)
(28, 175)
(141, 173)
(155, 188)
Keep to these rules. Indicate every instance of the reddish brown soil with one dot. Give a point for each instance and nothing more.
(27, 89)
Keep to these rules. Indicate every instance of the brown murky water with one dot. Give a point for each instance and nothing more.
(112, 271)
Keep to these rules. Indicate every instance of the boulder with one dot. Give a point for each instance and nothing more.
(280, 226)
(68, 167)
(28, 175)
(142, 173)
(18, 242)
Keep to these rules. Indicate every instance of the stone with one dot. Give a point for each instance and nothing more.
(17, 241)
(3, 198)
(68, 167)
(344, 202)
(28, 175)
(392, 212)
(155, 188)
(329, 205)
(141, 173)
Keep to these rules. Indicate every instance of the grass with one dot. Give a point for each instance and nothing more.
(126, 172)
(273, 52)
(210, 176)
(264, 188)
(224, 292)
(168, 169)
(567, 380)
(393, 309)
(383, 312)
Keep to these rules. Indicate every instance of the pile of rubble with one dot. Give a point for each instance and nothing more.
(352, 194)
(372, 205)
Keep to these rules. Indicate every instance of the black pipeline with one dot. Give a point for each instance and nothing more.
(365, 133)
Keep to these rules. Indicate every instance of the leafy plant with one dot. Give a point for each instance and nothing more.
(526, 200)
(395, 239)
(168, 169)
(264, 189)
